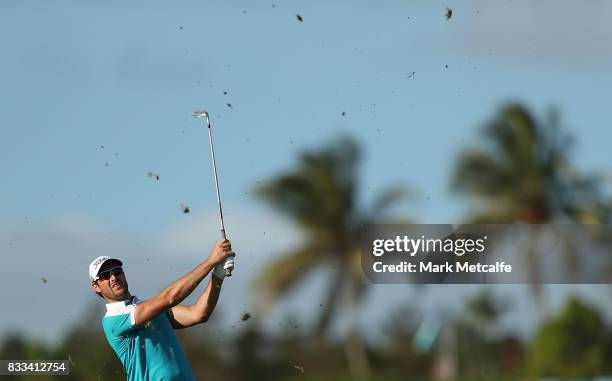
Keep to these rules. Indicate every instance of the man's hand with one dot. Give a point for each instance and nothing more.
(221, 251)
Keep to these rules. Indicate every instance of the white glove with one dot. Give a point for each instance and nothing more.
(219, 270)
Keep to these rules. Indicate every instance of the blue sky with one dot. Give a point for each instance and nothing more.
(96, 95)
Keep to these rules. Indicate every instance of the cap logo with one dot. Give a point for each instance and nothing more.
(96, 263)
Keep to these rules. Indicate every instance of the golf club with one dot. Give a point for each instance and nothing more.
(229, 263)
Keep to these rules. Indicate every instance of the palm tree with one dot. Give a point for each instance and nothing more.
(321, 195)
(523, 173)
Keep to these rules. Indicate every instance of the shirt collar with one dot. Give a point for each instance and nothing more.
(112, 307)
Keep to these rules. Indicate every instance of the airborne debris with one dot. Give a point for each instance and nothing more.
(300, 19)
(300, 368)
(343, 113)
(43, 280)
(449, 13)
(153, 175)
(245, 316)
(185, 209)
(229, 105)
(225, 93)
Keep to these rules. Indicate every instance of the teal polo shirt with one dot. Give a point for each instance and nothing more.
(149, 352)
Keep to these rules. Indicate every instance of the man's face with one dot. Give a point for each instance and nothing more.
(112, 286)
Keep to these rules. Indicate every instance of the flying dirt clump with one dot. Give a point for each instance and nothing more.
(245, 316)
(153, 175)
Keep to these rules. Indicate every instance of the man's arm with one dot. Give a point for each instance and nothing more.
(180, 289)
(200, 312)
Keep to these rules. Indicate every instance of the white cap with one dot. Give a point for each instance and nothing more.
(96, 264)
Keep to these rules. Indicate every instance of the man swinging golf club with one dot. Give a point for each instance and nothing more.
(141, 332)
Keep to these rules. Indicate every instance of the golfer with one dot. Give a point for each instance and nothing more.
(141, 332)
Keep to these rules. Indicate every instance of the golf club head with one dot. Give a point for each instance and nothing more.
(202, 114)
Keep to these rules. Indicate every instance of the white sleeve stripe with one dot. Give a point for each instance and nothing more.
(133, 315)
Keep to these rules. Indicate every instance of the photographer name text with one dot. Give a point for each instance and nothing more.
(447, 267)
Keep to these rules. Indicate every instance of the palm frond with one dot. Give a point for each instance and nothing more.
(477, 172)
(284, 273)
(321, 191)
(388, 198)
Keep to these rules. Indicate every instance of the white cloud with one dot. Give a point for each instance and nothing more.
(251, 231)
(551, 30)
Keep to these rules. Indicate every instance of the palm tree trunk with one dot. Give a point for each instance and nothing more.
(328, 307)
(354, 347)
(533, 268)
(356, 356)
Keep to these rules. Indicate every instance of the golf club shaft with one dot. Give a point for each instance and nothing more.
(212, 152)
(228, 271)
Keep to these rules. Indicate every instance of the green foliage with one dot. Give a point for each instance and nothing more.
(575, 344)
(485, 308)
